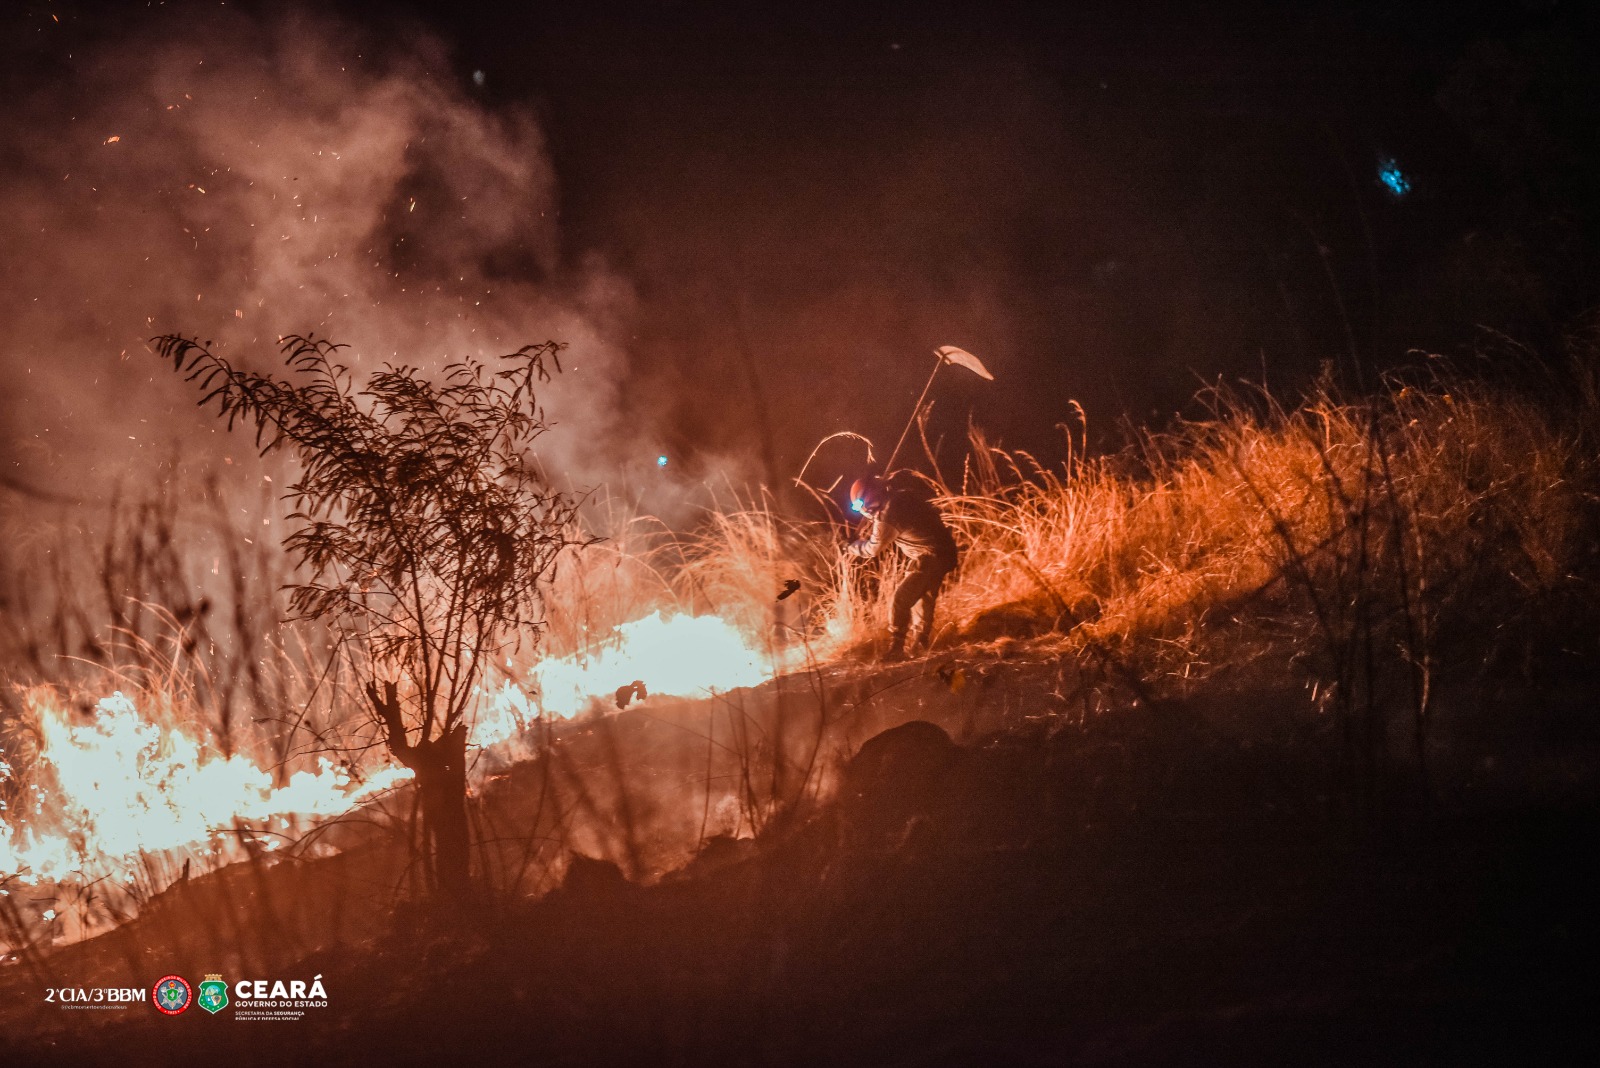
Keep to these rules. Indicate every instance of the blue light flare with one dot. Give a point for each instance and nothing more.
(661, 461)
(858, 506)
(1392, 177)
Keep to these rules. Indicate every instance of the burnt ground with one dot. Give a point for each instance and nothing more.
(1157, 886)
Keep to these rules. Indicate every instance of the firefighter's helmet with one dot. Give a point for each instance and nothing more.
(868, 494)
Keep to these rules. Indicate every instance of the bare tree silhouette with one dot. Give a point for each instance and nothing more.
(423, 534)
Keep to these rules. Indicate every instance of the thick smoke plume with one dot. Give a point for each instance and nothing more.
(242, 179)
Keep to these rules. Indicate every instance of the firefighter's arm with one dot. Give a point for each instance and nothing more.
(868, 547)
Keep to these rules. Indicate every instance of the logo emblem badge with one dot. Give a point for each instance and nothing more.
(172, 994)
(213, 994)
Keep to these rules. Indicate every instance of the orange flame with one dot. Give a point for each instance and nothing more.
(120, 786)
(115, 788)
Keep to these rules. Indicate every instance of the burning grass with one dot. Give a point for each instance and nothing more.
(1381, 543)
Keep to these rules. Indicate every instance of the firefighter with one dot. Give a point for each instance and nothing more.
(905, 516)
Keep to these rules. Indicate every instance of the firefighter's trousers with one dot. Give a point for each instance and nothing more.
(915, 599)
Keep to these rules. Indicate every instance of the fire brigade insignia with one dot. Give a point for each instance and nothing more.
(172, 994)
(213, 994)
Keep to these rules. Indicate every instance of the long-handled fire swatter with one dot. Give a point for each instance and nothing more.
(942, 355)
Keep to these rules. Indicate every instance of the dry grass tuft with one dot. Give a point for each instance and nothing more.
(1415, 497)
(1408, 503)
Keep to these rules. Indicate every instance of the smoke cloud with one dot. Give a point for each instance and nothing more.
(238, 179)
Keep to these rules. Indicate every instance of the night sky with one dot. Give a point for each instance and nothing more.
(1112, 204)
